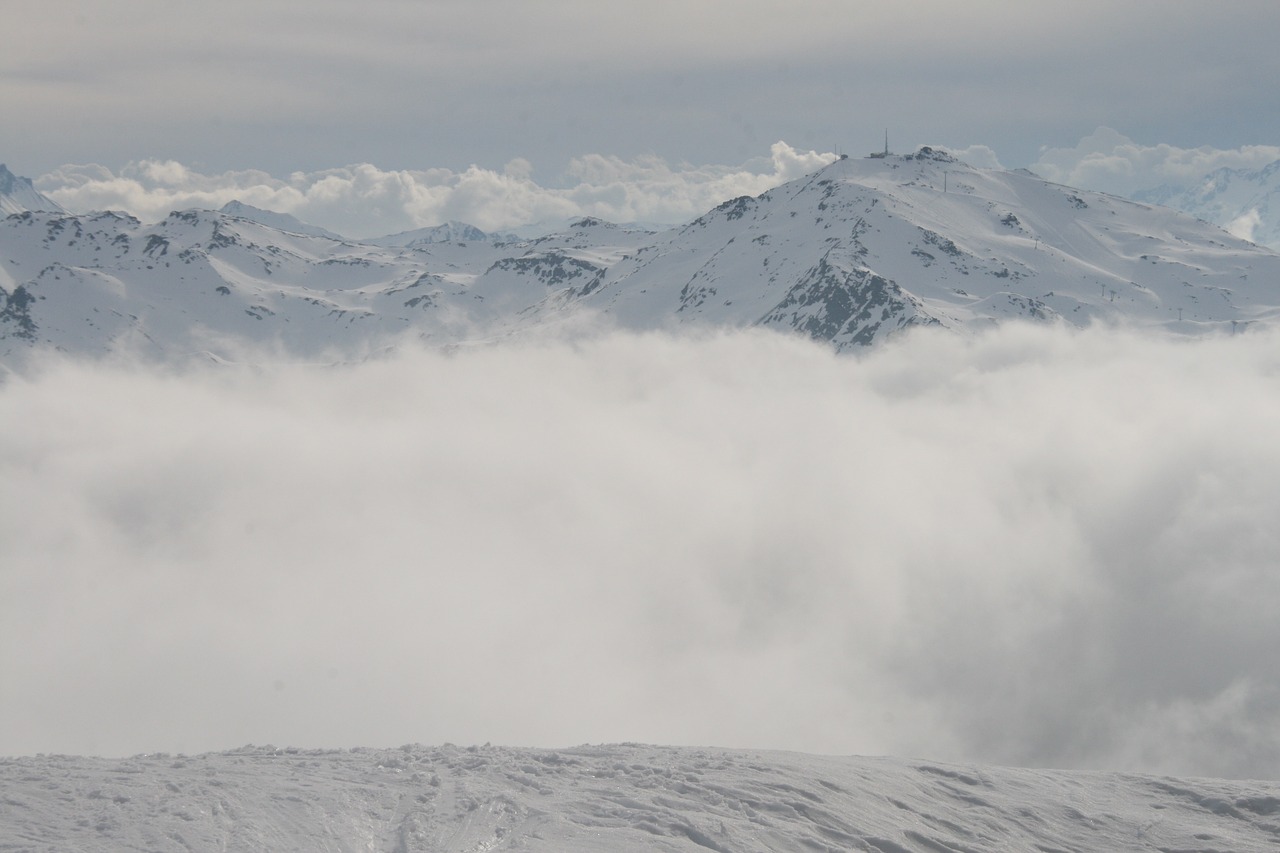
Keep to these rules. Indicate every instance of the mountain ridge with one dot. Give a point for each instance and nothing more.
(280, 221)
(18, 194)
(852, 255)
(619, 798)
(448, 232)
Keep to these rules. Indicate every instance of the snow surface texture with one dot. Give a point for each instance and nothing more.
(609, 799)
(850, 255)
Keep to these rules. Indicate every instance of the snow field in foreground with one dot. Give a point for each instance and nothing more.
(615, 799)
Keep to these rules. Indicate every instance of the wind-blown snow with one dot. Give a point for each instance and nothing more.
(1033, 547)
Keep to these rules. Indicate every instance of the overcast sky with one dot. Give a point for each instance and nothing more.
(287, 86)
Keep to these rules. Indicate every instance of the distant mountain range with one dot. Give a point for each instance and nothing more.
(851, 255)
(1247, 202)
(449, 232)
(279, 221)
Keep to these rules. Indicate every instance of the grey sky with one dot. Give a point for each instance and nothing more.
(411, 85)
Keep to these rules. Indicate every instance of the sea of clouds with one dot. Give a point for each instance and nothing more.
(1035, 546)
(1109, 161)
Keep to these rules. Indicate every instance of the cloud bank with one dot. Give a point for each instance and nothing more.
(1109, 161)
(365, 201)
(1035, 547)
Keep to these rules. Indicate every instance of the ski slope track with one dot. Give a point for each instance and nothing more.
(853, 254)
(609, 798)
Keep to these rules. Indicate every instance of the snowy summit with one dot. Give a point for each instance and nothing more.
(18, 195)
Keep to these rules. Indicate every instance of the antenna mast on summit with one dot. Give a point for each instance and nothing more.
(886, 142)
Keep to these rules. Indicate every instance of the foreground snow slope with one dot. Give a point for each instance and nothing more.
(609, 798)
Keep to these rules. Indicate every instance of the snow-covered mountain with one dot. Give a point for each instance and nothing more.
(280, 221)
(609, 799)
(1245, 202)
(864, 248)
(17, 195)
(851, 254)
(449, 232)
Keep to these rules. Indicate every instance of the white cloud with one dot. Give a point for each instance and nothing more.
(992, 549)
(1111, 162)
(1245, 225)
(364, 201)
(980, 156)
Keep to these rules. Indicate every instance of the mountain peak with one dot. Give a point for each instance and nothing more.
(925, 152)
(591, 222)
(18, 195)
(452, 231)
(274, 219)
